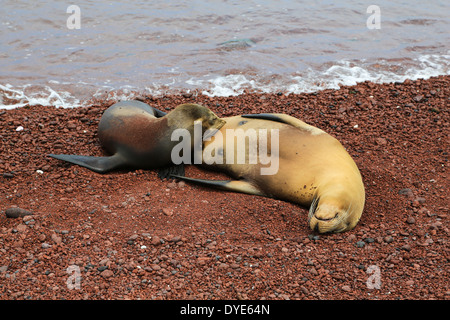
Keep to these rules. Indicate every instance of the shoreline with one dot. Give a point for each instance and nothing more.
(134, 236)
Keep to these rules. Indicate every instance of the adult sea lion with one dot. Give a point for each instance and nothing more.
(139, 136)
(314, 169)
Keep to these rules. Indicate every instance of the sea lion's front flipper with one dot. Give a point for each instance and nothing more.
(97, 164)
(227, 185)
(170, 172)
(284, 118)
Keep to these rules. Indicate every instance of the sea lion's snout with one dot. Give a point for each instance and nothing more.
(214, 122)
(220, 123)
(215, 125)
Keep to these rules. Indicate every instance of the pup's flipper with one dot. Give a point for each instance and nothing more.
(169, 173)
(227, 185)
(159, 113)
(97, 164)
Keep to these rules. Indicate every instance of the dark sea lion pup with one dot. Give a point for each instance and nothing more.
(307, 166)
(139, 136)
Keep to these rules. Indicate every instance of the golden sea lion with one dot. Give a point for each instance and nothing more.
(139, 136)
(314, 170)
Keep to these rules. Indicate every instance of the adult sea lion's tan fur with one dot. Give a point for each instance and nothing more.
(314, 171)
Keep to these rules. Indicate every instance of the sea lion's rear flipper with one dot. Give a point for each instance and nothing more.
(168, 173)
(227, 185)
(97, 164)
(284, 118)
(159, 113)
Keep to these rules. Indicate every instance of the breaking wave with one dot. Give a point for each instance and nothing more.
(332, 76)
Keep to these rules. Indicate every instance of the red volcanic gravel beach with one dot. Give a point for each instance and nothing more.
(76, 234)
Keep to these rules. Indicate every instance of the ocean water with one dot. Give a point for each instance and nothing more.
(52, 54)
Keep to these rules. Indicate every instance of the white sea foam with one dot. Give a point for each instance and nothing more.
(341, 73)
(345, 73)
(12, 97)
(225, 86)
